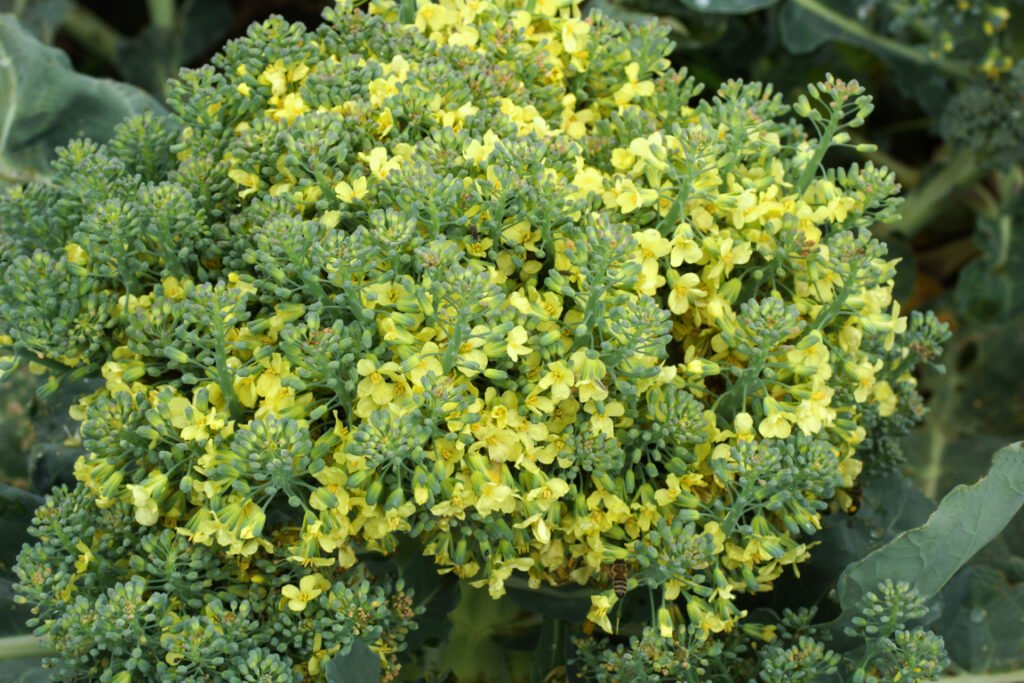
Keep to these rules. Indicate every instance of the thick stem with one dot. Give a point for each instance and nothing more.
(22, 647)
(942, 407)
(161, 13)
(928, 199)
(93, 33)
(858, 30)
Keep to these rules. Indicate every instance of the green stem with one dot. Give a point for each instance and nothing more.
(89, 30)
(944, 400)
(161, 13)
(927, 201)
(227, 386)
(451, 352)
(1004, 677)
(811, 169)
(22, 647)
(47, 363)
(858, 30)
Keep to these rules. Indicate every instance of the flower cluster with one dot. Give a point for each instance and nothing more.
(122, 601)
(486, 276)
(792, 649)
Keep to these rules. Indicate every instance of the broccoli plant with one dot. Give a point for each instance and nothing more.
(486, 279)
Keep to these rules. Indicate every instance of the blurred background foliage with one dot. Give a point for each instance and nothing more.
(948, 81)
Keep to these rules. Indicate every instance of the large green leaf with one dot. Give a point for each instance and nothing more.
(359, 665)
(437, 594)
(802, 32)
(889, 506)
(981, 621)
(728, 6)
(44, 103)
(492, 641)
(927, 557)
(16, 508)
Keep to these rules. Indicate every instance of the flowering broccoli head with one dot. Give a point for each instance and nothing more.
(492, 278)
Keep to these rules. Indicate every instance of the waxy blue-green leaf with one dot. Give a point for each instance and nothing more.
(44, 103)
(928, 556)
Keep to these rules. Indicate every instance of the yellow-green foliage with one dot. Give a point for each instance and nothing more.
(493, 278)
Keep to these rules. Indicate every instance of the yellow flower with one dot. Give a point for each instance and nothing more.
(633, 87)
(600, 605)
(309, 588)
(291, 108)
(76, 254)
(145, 496)
(516, 342)
(350, 193)
(651, 246)
(628, 197)
(83, 560)
(601, 420)
(193, 423)
(496, 497)
(777, 424)
(477, 151)
(575, 35)
(666, 627)
(379, 163)
(248, 180)
(559, 378)
(590, 371)
(546, 495)
(730, 254)
(886, 398)
(684, 248)
(684, 288)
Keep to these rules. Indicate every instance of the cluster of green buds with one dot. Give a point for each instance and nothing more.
(485, 275)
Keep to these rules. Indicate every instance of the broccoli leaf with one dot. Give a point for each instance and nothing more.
(44, 103)
(928, 556)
